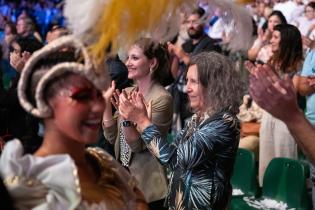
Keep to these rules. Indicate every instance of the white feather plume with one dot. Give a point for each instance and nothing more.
(82, 15)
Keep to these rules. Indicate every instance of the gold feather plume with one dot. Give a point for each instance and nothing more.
(117, 23)
(120, 22)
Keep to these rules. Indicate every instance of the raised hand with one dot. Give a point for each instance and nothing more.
(107, 94)
(135, 109)
(129, 105)
(25, 56)
(277, 96)
(18, 61)
(260, 34)
(115, 99)
(177, 51)
(139, 101)
(263, 36)
(108, 115)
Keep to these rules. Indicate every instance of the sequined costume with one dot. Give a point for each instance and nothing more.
(52, 182)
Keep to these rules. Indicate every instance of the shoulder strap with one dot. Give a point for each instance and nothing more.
(201, 45)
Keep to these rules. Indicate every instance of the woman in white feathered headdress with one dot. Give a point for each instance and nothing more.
(62, 173)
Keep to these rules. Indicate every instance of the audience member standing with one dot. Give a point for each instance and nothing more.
(25, 28)
(275, 138)
(147, 63)
(199, 42)
(261, 49)
(201, 158)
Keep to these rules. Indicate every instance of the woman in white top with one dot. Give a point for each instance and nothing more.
(275, 138)
(306, 22)
(261, 49)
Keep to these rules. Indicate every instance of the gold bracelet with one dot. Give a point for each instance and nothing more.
(106, 121)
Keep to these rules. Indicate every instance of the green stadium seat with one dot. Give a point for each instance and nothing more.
(284, 181)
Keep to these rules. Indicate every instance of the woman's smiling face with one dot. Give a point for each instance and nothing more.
(275, 41)
(77, 110)
(195, 90)
(137, 63)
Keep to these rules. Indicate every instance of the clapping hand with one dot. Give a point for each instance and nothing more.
(115, 99)
(107, 94)
(18, 61)
(270, 92)
(112, 95)
(177, 51)
(134, 108)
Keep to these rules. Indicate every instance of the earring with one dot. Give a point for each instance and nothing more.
(151, 70)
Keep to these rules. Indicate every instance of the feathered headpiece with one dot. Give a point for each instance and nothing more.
(116, 23)
(87, 69)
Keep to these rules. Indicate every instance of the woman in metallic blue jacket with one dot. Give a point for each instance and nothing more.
(201, 157)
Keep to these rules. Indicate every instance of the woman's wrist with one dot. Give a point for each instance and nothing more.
(143, 124)
(186, 59)
(259, 43)
(108, 122)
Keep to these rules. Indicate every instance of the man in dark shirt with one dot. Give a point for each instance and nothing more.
(199, 42)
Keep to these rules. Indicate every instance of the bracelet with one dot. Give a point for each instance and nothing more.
(108, 120)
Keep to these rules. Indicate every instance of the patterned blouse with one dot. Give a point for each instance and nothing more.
(201, 160)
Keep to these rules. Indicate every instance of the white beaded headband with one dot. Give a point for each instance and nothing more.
(42, 109)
